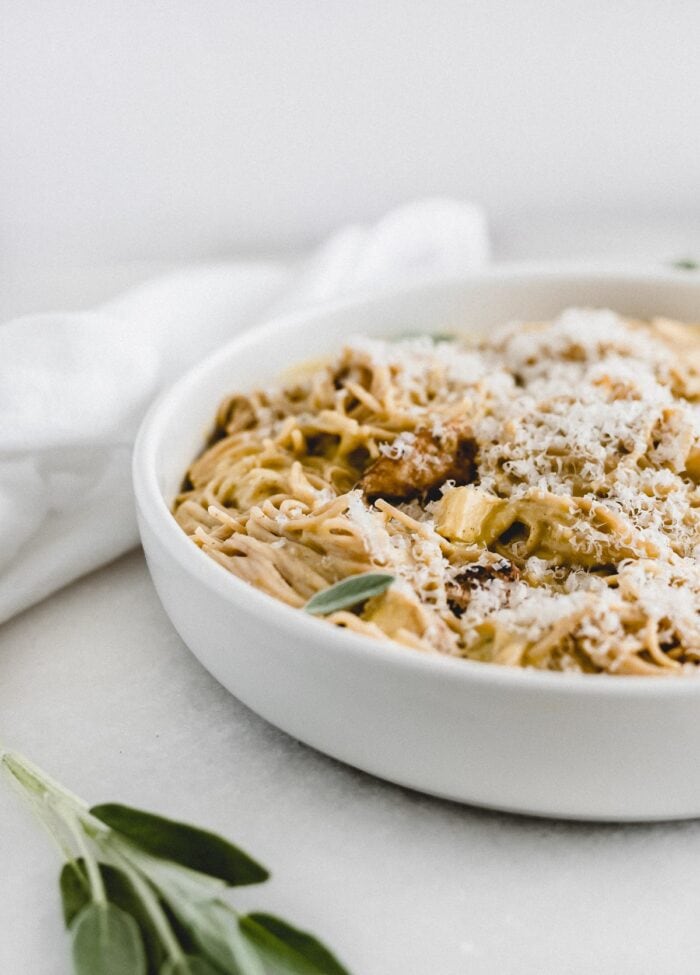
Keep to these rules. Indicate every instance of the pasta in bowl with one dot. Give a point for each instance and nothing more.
(415, 560)
(531, 499)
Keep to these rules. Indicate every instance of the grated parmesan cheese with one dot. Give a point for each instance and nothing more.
(583, 408)
(580, 438)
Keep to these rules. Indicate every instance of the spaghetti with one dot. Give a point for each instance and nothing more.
(535, 496)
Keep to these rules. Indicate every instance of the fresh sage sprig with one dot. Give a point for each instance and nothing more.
(144, 895)
(348, 592)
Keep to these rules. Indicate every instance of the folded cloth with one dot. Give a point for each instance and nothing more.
(74, 387)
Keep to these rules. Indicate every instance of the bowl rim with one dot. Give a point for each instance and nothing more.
(337, 641)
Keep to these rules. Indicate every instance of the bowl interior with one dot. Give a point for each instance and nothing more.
(184, 417)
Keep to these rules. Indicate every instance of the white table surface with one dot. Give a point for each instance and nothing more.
(97, 687)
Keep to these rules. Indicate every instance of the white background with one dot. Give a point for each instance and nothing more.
(178, 129)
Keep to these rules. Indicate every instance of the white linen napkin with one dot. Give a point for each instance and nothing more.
(73, 387)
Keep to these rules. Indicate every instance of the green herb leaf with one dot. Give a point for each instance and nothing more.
(348, 592)
(189, 965)
(174, 880)
(212, 931)
(158, 910)
(435, 336)
(106, 941)
(75, 895)
(187, 845)
(24, 773)
(686, 265)
(75, 891)
(288, 950)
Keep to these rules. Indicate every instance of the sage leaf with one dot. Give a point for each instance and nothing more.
(435, 336)
(158, 910)
(187, 845)
(107, 941)
(189, 965)
(686, 264)
(75, 891)
(212, 931)
(348, 592)
(75, 895)
(174, 880)
(25, 773)
(287, 950)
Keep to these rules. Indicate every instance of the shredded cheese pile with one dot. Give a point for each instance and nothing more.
(535, 496)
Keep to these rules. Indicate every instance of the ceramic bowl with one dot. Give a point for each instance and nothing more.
(564, 745)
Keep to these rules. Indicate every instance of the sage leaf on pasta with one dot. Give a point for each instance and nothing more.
(107, 941)
(287, 949)
(348, 592)
(435, 336)
(186, 845)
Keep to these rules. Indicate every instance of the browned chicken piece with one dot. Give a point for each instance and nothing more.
(433, 458)
(460, 588)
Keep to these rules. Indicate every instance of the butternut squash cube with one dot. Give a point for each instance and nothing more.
(463, 513)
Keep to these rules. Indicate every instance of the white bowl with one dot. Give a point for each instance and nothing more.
(566, 745)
